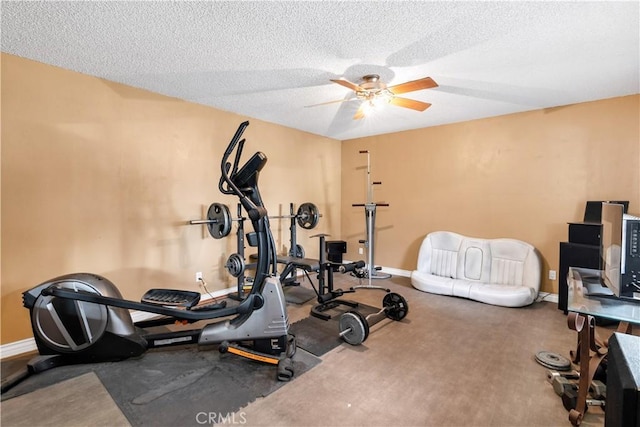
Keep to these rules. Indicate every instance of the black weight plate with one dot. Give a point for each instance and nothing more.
(221, 225)
(308, 216)
(396, 305)
(235, 265)
(297, 252)
(356, 325)
(553, 361)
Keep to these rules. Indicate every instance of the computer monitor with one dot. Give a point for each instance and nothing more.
(611, 246)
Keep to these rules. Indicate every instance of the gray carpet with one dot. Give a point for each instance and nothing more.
(81, 396)
(173, 386)
(450, 363)
(298, 294)
(318, 336)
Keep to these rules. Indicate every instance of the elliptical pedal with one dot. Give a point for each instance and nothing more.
(171, 298)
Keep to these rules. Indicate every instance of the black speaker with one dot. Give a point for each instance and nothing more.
(585, 233)
(623, 382)
(593, 209)
(574, 255)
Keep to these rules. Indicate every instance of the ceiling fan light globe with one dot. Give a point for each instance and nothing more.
(368, 107)
(380, 101)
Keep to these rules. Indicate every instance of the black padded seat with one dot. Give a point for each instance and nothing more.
(307, 264)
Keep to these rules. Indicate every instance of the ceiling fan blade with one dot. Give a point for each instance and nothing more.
(410, 103)
(347, 84)
(360, 113)
(424, 83)
(330, 102)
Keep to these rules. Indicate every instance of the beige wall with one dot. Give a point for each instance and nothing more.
(100, 177)
(522, 176)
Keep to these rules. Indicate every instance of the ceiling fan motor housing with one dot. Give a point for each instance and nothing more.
(372, 87)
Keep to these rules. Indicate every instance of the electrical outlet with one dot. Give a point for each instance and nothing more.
(198, 276)
(360, 251)
(552, 275)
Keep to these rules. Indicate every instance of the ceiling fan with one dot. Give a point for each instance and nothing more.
(374, 92)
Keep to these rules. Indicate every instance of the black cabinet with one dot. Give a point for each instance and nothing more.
(623, 382)
(582, 250)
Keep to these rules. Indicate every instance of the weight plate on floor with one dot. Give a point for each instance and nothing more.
(307, 216)
(396, 306)
(221, 220)
(354, 328)
(553, 361)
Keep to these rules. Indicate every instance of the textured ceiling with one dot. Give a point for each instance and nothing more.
(272, 60)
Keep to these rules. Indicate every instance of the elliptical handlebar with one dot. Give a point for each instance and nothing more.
(243, 182)
(227, 185)
(231, 188)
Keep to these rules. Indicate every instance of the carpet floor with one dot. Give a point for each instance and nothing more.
(450, 362)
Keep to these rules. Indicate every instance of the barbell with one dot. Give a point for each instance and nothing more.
(354, 327)
(219, 219)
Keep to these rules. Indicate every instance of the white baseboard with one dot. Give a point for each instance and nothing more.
(392, 271)
(396, 272)
(17, 348)
(547, 297)
(28, 345)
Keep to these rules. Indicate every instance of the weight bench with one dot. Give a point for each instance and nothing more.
(293, 263)
(327, 296)
(306, 264)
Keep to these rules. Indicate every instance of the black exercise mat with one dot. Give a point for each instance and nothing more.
(319, 336)
(175, 387)
(297, 294)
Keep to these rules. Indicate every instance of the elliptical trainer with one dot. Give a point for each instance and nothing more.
(81, 317)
